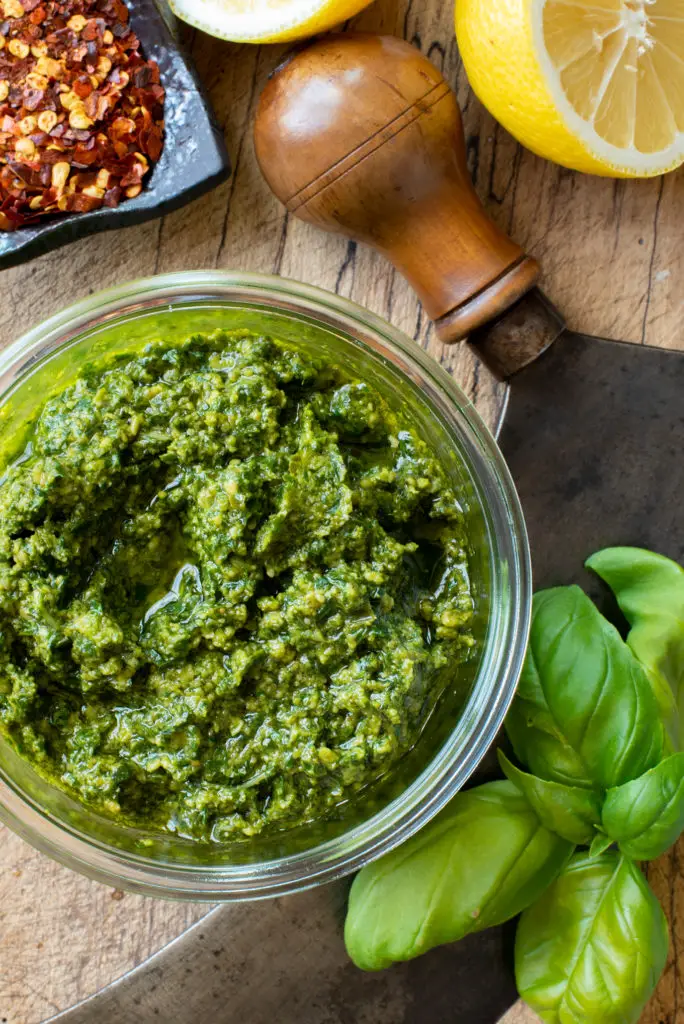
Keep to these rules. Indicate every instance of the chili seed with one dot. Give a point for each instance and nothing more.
(18, 48)
(27, 125)
(47, 66)
(25, 148)
(79, 119)
(47, 121)
(12, 9)
(60, 173)
(37, 81)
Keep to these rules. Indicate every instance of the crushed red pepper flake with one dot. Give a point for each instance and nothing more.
(81, 110)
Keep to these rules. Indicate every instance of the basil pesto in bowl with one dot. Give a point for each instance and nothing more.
(264, 587)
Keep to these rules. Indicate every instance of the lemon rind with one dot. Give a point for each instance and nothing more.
(209, 16)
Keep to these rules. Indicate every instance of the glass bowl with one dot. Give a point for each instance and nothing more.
(469, 712)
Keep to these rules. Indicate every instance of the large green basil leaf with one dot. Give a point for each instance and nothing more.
(584, 714)
(483, 859)
(591, 950)
(571, 812)
(650, 591)
(646, 816)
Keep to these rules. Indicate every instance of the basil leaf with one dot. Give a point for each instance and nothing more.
(584, 714)
(600, 843)
(650, 591)
(570, 812)
(483, 859)
(591, 950)
(646, 816)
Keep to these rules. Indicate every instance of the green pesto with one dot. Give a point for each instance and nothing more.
(233, 584)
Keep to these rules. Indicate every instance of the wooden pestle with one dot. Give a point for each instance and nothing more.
(361, 135)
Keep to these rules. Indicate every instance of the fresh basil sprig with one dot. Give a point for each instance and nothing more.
(584, 714)
(596, 721)
(478, 863)
(591, 949)
(650, 591)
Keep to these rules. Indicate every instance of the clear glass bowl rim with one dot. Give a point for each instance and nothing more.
(494, 688)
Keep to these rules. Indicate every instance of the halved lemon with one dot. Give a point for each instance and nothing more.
(265, 21)
(595, 85)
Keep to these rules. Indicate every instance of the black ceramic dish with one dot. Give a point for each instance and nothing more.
(193, 161)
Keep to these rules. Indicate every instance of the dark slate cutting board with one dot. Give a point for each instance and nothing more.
(594, 435)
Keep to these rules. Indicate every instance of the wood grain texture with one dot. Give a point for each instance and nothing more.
(612, 259)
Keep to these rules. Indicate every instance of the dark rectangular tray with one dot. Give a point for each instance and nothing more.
(194, 159)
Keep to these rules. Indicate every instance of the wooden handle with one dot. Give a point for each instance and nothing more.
(361, 135)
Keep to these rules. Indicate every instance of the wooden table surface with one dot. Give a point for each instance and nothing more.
(613, 261)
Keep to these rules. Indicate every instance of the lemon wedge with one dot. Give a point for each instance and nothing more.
(595, 85)
(265, 21)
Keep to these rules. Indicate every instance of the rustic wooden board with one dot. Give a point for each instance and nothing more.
(613, 261)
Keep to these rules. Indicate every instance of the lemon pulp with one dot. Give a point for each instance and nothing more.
(595, 84)
(265, 21)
